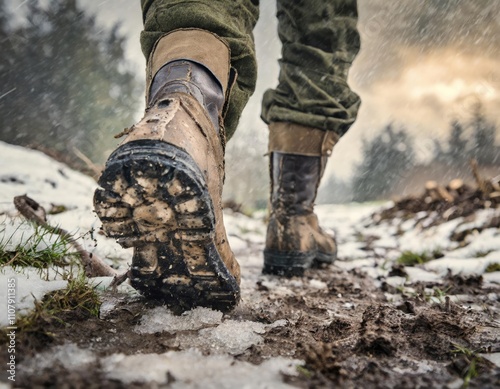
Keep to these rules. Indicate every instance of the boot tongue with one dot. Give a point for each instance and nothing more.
(295, 182)
(193, 79)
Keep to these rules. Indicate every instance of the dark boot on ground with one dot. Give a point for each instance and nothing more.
(161, 188)
(294, 240)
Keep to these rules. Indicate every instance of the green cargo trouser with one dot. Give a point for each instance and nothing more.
(319, 39)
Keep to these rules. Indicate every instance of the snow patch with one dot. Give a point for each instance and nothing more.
(68, 355)
(190, 369)
(231, 336)
(29, 286)
(317, 284)
(493, 358)
(465, 266)
(44, 179)
(416, 274)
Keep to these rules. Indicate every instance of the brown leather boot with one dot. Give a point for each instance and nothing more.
(161, 188)
(294, 239)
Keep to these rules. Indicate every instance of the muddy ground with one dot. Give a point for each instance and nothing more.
(346, 331)
(370, 320)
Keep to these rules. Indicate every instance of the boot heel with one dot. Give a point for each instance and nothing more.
(325, 258)
(287, 264)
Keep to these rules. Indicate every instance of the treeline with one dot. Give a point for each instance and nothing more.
(391, 157)
(64, 80)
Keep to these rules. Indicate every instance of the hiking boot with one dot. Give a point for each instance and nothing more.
(294, 240)
(161, 188)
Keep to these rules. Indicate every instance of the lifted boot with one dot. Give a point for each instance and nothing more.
(161, 189)
(294, 240)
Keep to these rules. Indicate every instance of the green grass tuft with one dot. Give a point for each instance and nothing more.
(79, 301)
(493, 267)
(473, 363)
(303, 371)
(46, 251)
(41, 250)
(440, 294)
(78, 296)
(409, 258)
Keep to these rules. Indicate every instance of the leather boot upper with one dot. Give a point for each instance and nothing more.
(179, 112)
(293, 227)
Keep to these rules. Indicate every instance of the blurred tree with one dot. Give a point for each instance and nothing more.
(68, 84)
(386, 158)
(483, 147)
(334, 191)
(456, 152)
(457, 145)
(4, 17)
(476, 140)
(6, 59)
(247, 177)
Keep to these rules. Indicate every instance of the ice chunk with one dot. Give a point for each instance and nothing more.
(231, 337)
(107, 307)
(317, 284)
(161, 319)
(109, 304)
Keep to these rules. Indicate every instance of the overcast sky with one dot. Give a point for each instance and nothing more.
(422, 63)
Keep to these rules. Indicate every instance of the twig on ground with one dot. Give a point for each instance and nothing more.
(447, 304)
(91, 165)
(118, 279)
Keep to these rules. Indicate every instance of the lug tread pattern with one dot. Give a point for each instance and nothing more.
(153, 198)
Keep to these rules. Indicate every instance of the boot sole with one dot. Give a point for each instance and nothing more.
(324, 258)
(154, 198)
(291, 264)
(287, 264)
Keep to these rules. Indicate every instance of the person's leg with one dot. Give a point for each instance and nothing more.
(231, 20)
(161, 188)
(320, 41)
(309, 110)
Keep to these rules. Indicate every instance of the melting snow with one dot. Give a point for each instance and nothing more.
(160, 319)
(207, 330)
(369, 248)
(190, 369)
(68, 355)
(29, 286)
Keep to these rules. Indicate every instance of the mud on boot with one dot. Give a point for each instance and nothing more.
(155, 199)
(161, 189)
